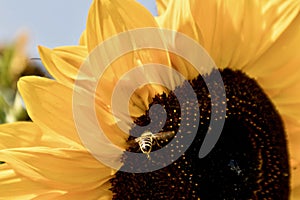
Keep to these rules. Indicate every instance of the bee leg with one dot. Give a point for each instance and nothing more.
(157, 143)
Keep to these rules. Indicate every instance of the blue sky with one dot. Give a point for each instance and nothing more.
(48, 23)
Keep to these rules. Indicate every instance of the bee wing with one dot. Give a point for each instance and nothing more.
(133, 142)
(164, 135)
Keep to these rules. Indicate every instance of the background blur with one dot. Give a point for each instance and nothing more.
(48, 23)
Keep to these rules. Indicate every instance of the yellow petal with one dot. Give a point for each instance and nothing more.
(17, 187)
(49, 105)
(53, 139)
(74, 55)
(83, 39)
(62, 169)
(19, 134)
(107, 18)
(293, 129)
(28, 134)
(102, 193)
(63, 62)
(178, 17)
(161, 6)
(277, 70)
(88, 125)
(281, 51)
(237, 33)
(295, 193)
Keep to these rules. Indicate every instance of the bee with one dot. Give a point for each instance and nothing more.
(148, 139)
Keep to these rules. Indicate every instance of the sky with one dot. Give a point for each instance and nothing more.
(49, 23)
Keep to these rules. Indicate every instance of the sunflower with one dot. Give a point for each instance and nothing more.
(252, 43)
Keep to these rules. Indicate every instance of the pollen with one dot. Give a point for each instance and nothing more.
(249, 161)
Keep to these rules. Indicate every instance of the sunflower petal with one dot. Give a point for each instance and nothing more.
(232, 26)
(62, 169)
(28, 134)
(295, 193)
(17, 187)
(49, 105)
(19, 134)
(107, 18)
(74, 55)
(83, 39)
(46, 100)
(182, 21)
(293, 130)
(178, 17)
(281, 51)
(102, 193)
(63, 62)
(162, 6)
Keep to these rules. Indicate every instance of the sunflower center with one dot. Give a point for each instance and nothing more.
(249, 161)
